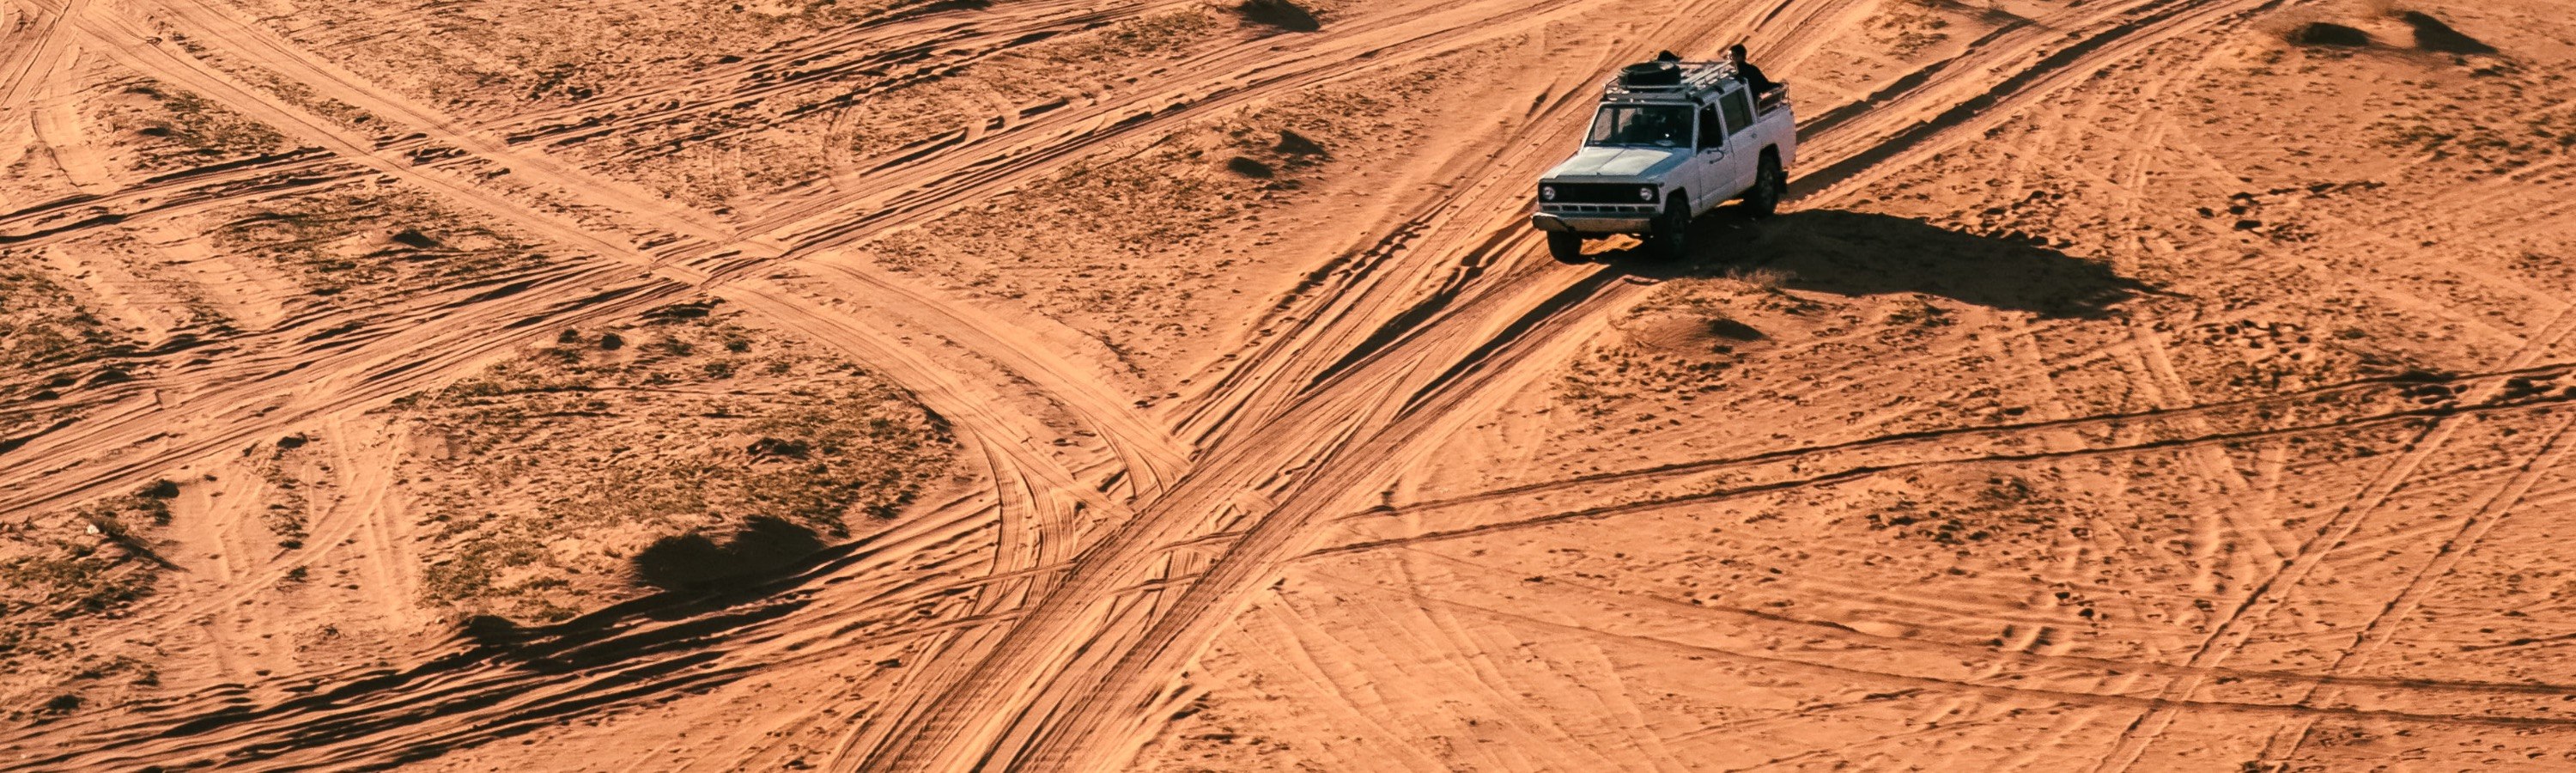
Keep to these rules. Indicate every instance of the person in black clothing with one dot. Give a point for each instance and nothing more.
(1746, 72)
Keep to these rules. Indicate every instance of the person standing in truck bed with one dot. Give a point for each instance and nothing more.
(1746, 72)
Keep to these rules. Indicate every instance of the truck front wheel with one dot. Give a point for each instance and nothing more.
(1671, 238)
(1565, 246)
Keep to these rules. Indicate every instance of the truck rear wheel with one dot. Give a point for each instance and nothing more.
(1671, 237)
(1770, 184)
(1565, 246)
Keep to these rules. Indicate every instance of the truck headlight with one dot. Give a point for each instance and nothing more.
(1646, 194)
(1547, 193)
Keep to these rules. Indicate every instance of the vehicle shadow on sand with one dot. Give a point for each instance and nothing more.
(1860, 254)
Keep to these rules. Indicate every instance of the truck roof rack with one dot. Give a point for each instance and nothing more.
(1696, 79)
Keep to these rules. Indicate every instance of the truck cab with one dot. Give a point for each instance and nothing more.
(1669, 140)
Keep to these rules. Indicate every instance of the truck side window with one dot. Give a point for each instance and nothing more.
(1712, 135)
(1739, 113)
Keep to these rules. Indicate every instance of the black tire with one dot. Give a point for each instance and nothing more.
(1565, 246)
(1671, 238)
(1770, 184)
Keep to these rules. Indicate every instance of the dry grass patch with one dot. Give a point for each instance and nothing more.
(713, 157)
(1906, 27)
(1140, 38)
(489, 58)
(169, 129)
(45, 336)
(544, 480)
(60, 573)
(1129, 246)
(369, 241)
(42, 325)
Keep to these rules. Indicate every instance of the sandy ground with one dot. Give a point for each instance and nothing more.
(2131, 385)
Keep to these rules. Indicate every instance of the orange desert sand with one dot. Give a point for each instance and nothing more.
(626, 385)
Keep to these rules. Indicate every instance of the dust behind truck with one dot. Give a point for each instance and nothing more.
(1669, 141)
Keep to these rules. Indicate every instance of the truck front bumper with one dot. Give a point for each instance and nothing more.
(1591, 223)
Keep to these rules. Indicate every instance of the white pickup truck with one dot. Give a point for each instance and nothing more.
(1671, 140)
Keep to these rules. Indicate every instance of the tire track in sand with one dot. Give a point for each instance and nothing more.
(1497, 333)
(1043, 702)
(2383, 625)
(2238, 623)
(216, 84)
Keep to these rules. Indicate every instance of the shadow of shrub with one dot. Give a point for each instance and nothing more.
(762, 549)
(2433, 35)
(2318, 33)
(1279, 13)
(492, 630)
(1249, 168)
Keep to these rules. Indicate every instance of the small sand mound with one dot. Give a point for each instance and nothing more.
(1685, 332)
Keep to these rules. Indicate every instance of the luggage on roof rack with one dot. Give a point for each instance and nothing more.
(1650, 75)
(1660, 79)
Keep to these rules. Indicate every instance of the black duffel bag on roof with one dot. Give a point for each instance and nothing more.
(1648, 74)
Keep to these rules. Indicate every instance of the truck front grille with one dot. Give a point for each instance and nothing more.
(1594, 193)
(1621, 210)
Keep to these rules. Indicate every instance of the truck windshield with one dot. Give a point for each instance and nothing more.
(1659, 125)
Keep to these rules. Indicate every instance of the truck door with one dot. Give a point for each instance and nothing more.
(1744, 159)
(1708, 170)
